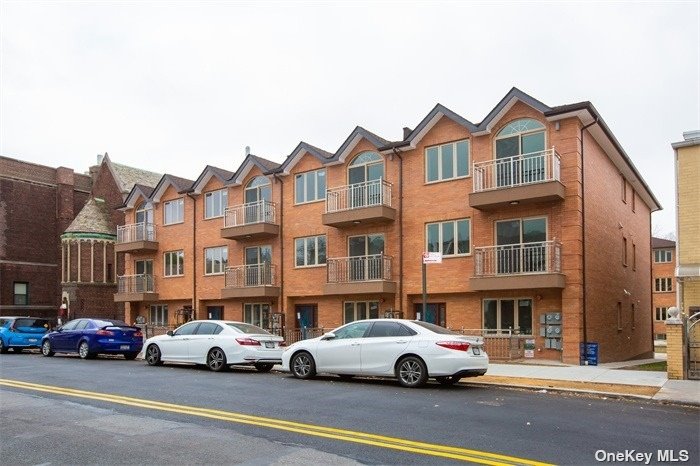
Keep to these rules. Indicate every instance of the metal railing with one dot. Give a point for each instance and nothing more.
(242, 276)
(358, 269)
(503, 344)
(516, 259)
(247, 214)
(141, 283)
(356, 196)
(524, 169)
(293, 335)
(136, 232)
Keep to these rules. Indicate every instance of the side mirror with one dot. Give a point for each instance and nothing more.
(170, 333)
(328, 336)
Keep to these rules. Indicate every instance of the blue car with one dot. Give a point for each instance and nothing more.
(90, 337)
(19, 333)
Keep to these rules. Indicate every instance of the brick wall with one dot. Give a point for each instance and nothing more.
(660, 298)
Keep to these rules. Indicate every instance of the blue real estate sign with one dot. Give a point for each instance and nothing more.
(589, 354)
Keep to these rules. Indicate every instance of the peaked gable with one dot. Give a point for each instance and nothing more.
(265, 166)
(207, 174)
(179, 184)
(132, 198)
(298, 153)
(353, 140)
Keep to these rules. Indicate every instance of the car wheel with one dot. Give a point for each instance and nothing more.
(46, 348)
(3, 348)
(449, 380)
(303, 365)
(216, 360)
(153, 355)
(130, 356)
(412, 372)
(84, 351)
(346, 376)
(264, 367)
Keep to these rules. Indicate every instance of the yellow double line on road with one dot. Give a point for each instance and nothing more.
(381, 441)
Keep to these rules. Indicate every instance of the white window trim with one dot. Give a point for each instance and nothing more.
(183, 263)
(223, 266)
(166, 203)
(379, 316)
(454, 222)
(515, 313)
(664, 280)
(664, 310)
(321, 199)
(261, 304)
(316, 264)
(454, 161)
(223, 207)
(667, 252)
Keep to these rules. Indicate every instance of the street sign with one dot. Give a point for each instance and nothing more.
(432, 258)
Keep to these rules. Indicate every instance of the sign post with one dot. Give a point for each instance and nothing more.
(428, 258)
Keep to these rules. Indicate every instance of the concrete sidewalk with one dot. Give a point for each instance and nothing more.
(607, 379)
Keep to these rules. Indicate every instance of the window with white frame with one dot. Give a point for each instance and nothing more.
(215, 260)
(451, 238)
(310, 251)
(508, 315)
(447, 161)
(174, 263)
(215, 203)
(257, 314)
(174, 211)
(663, 255)
(21, 295)
(663, 284)
(358, 310)
(158, 314)
(310, 186)
(661, 313)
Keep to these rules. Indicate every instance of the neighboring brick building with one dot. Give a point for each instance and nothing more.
(541, 217)
(664, 286)
(37, 203)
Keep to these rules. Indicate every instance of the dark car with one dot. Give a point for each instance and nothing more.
(90, 337)
(19, 333)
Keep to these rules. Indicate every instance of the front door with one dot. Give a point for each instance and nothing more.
(305, 318)
(257, 261)
(215, 312)
(365, 261)
(435, 313)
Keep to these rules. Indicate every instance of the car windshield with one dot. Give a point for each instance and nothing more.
(435, 328)
(247, 328)
(110, 323)
(32, 323)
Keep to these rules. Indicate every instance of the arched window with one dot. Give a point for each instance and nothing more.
(519, 137)
(144, 213)
(258, 189)
(367, 166)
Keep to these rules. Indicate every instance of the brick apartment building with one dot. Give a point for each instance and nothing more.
(542, 220)
(664, 287)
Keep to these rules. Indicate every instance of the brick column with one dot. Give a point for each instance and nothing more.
(675, 347)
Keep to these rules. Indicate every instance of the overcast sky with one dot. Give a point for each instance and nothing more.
(171, 86)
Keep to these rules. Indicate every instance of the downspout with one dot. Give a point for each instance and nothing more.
(583, 227)
(281, 223)
(194, 255)
(405, 312)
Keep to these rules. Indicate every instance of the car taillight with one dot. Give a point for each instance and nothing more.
(247, 342)
(138, 335)
(105, 333)
(455, 345)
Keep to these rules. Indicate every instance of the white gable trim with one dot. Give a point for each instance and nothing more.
(353, 143)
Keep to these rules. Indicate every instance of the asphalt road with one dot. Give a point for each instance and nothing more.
(57, 427)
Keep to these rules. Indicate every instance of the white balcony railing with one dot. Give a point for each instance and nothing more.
(359, 269)
(247, 214)
(356, 196)
(142, 283)
(518, 259)
(242, 276)
(519, 170)
(136, 232)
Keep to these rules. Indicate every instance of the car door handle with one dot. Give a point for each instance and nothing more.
(185, 339)
(354, 344)
(401, 342)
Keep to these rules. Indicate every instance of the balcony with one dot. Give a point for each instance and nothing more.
(359, 275)
(137, 237)
(256, 220)
(365, 203)
(135, 288)
(251, 281)
(518, 267)
(522, 179)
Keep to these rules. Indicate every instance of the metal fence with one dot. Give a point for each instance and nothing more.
(499, 344)
(293, 335)
(358, 268)
(136, 232)
(355, 196)
(242, 276)
(247, 214)
(141, 283)
(513, 259)
(534, 167)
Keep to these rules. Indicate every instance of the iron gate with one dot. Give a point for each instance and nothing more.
(693, 341)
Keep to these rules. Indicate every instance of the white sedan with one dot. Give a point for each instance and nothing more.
(409, 350)
(218, 344)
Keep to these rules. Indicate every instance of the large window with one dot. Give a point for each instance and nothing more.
(520, 246)
(21, 293)
(520, 155)
(663, 255)
(310, 251)
(215, 260)
(358, 310)
(447, 161)
(174, 212)
(450, 238)
(215, 203)
(310, 186)
(663, 284)
(158, 314)
(508, 315)
(174, 263)
(257, 314)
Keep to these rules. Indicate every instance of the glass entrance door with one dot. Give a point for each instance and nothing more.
(258, 271)
(364, 177)
(521, 245)
(365, 261)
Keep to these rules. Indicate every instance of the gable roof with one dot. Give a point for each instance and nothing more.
(180, 185)
(93, 221)
(207, 174)
(657, 243)
(303, 148)
(352, 140)
(138, 190)
(265, 166)
(126, 177)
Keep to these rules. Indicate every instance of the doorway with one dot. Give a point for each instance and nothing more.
(215, 312)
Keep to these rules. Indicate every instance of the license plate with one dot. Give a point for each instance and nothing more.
(124, 347)
(269, 344)
(476, 351)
